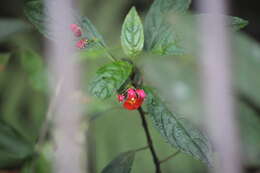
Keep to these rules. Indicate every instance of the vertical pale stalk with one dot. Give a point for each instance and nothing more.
(68, 138)
(217, 86)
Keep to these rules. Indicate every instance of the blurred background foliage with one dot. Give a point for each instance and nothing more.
(24, 100)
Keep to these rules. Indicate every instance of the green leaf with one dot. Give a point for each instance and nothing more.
(4, 58)
(246, 63)
(34, 11)
(159, 35)
(235, 23)
(238, 23)
(11, 26)
(35, 14)
(33, 65)
(121, 164)
(110, 78)
(163, 38)
(249, 123)
(177, 131)
(42, 163)
(91, 32)
(13, 148)
(132, 35)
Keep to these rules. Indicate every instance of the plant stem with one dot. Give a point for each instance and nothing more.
(102, 46)
(98, 114)
(110, 56)
(149, 141)
(141, 149)
(169, 157)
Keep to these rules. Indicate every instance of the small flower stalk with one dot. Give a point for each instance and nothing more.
(133, 98)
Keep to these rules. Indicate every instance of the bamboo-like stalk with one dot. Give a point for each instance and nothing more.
(68, 137)
(217, 86)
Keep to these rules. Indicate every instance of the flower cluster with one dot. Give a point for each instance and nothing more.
(133, 98)
(82, 43)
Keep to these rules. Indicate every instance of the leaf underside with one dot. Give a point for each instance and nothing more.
(177, 131)
(121, 164)
(164, 38)
(159, 35)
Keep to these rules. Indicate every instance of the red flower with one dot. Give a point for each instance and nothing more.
(134, 98)
(133, 103)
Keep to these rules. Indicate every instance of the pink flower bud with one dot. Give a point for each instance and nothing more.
(120, 97)
(76, 30)
(131, 93)
(141, 93)
(73, 26)
(82, 43)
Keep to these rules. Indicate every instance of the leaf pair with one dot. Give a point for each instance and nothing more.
(158, 35)
(162, 37)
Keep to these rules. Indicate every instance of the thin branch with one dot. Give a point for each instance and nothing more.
(141, 149)
(48, 118)
(96, 115)
(110, 56)
(169, 157)
(149, 141)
